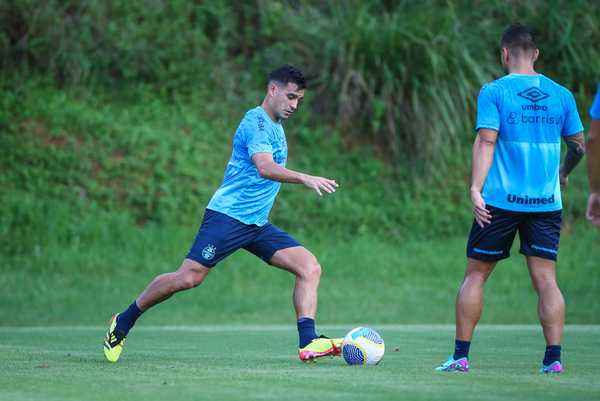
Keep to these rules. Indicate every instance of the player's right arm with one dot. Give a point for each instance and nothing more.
(267, 168)
(483, 156)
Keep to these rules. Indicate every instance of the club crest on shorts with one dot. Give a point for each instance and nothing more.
(209, 251)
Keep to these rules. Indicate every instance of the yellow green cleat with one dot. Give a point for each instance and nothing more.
(113, 342)
(338, 343)
(320, 347)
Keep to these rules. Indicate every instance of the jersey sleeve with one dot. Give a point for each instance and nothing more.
(595, 109)
(488, 113)
(256, 136)
(572, 124)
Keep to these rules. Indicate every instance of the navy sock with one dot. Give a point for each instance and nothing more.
(461, 349)
(552, 354)
(306, 331)
(127, 318)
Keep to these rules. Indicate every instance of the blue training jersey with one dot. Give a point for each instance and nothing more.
(244, 195)
(595, 109)
(530, 114)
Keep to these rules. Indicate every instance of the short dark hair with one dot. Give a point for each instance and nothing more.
(286, 74)
(518, 37)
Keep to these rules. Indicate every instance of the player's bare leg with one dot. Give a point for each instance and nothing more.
(305, 266)
(189, 275)
(551, 309)
(469, 301)
(551, 304)
(469, 304)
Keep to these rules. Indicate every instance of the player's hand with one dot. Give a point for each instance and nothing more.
(481, 214)
(593, 209)
(564, 180)
(319, 184)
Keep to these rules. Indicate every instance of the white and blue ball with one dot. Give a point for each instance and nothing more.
(363, 346)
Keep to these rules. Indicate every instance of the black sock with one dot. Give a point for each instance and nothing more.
(306, 331)
(552, 354)
(127, 318)
(461, 349)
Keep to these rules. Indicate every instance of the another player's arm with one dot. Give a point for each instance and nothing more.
(593, 156)
(593, 164)
(267, 168)
(483, 155)
(575, 151)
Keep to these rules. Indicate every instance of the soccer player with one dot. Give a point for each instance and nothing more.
(593, 162)
(516, 187)
(237, 217)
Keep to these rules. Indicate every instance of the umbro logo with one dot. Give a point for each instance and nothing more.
(534, 94)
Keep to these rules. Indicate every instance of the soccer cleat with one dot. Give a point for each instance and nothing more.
(338, 343)
(113, 342)
(554, 367)
(320, 347)
(452, 365)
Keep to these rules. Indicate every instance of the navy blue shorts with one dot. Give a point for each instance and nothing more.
(220, 235)
(539, 234)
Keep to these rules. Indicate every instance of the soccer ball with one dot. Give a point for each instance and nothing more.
(363, 346)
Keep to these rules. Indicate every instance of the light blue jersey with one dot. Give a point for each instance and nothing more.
(244, 195)
(595, 109)
(530, 114)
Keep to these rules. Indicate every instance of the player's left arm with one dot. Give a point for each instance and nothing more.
(575, 151)
(267, 168)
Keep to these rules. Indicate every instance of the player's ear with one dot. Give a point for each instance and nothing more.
(504, 53)
(536, 54)
(272, 89)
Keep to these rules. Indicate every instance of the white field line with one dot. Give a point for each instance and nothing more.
(211, 328)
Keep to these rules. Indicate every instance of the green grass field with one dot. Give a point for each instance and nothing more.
(243, 362)
(397, 281)
(116, 122)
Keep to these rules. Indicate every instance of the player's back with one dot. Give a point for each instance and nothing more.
(530, 114)
(534, 108)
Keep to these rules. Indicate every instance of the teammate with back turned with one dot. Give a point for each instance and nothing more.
(237, 217)
(515, 186)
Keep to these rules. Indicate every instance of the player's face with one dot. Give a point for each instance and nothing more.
(285, 99)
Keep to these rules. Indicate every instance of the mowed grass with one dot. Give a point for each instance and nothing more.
(242, 362)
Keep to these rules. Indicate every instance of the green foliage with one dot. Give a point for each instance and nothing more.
(407, 76)
(402, 75)
(130, 107)
(171, 42)
(75, 151)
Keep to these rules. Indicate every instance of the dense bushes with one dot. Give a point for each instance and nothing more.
(403, 74)
(131, 105)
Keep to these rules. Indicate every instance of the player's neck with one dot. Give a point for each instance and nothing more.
(521, 68)
(269, 111)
